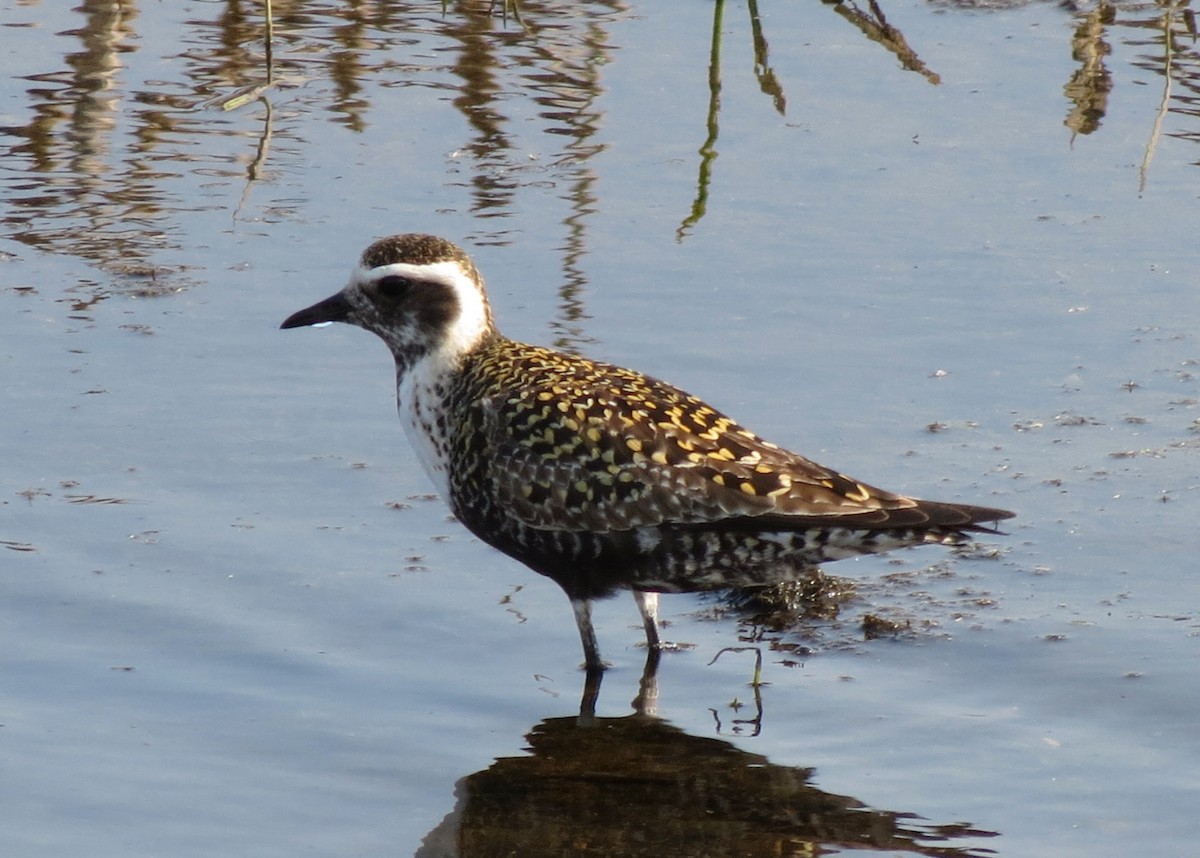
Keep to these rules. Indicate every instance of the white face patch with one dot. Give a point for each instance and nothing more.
(463, 331)
(474, 319)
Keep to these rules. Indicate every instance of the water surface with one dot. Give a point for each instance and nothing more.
(947, 249)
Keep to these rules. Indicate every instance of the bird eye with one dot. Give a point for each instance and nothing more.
(393, 286)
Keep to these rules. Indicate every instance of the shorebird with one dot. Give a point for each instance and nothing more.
(599, 477)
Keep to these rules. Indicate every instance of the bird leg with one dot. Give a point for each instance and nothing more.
(587, 634)
(648, 606)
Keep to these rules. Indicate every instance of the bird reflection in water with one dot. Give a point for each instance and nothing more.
(639, 786)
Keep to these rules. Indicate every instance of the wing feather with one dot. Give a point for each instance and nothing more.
(611, 449)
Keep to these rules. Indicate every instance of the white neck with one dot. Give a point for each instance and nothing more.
(421, 392)
(427, 358)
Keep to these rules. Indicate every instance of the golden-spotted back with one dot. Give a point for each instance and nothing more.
(578, 445)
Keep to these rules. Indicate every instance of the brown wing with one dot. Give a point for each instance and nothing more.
(602, 448)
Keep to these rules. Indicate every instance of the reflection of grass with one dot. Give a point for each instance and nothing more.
(97, 194)
(768, 82)
(708, 149)
(873, 25)
(255, 92)
(506, 6)
(1091, 83)
(1164, 103)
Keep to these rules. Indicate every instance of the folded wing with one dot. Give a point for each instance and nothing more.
(624, 451)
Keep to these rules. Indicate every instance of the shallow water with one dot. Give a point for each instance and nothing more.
(232, 618)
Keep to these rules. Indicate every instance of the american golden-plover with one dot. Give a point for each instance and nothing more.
(598, 477)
